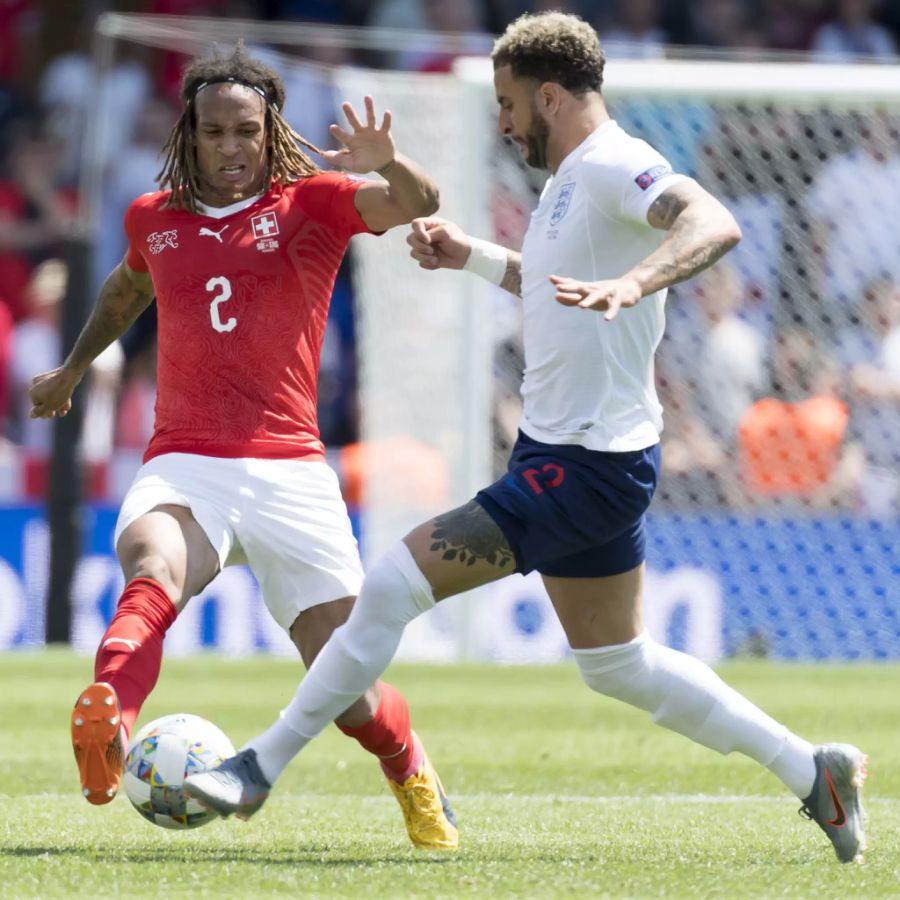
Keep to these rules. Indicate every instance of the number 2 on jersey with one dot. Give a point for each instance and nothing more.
(225, 286)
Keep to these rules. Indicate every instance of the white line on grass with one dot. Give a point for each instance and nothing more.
(699, 799)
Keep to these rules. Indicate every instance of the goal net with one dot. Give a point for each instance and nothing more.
(775, 527)
(776, 520)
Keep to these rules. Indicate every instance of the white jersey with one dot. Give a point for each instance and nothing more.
(589, 381)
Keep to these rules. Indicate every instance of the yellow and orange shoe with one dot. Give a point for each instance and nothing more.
(429, 819)
(99, 742)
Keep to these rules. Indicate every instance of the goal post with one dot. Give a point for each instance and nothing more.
(423, 337)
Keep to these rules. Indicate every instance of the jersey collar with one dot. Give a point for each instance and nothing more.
(587, 144)
(219, 212)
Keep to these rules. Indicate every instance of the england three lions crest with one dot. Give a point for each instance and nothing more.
(562, 202)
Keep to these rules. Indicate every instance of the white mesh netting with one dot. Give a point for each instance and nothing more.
(780, 369)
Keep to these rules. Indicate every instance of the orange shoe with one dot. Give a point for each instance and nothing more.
(99, 742)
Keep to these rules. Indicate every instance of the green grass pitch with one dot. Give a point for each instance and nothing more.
(558, 793)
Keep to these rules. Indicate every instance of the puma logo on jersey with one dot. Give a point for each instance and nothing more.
(132, 645)
(208, 232)
(159, 240)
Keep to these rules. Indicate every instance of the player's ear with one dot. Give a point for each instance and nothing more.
(549, 97)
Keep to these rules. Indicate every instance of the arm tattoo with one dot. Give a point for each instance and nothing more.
(665, 210)
(699, 231)
(690, 250)
(512, 278)
(120, 302)
(468, 534)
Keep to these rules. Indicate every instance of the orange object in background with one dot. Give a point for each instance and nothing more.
(791, 448)
(397, 469)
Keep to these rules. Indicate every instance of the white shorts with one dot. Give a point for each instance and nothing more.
(285, 518)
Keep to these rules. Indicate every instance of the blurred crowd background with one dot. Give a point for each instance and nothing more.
(793, 381)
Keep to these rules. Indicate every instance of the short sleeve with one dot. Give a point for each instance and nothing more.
(626, 185)
(328, 198)
(134, 259)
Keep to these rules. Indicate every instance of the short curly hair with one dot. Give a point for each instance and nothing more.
(552, 46)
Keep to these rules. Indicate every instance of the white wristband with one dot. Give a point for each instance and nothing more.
(487, 260)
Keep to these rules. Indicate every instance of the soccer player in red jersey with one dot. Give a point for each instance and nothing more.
(241, 252)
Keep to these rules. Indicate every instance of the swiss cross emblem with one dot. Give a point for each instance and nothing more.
(265, 225)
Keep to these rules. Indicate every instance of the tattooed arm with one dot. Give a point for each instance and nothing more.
(699, 231)
(123, 297)
(512, 279)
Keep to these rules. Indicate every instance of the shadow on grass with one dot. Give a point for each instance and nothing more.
(320, 856)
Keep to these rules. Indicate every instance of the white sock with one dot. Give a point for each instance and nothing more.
(394, 593)
(275, 748)
(795, 765)
(685, 695)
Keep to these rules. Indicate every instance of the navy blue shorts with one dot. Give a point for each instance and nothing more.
(572, 512)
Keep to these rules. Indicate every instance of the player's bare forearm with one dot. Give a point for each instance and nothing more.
(410, 188)
(512, 278)
(123, 297)
(700, 230)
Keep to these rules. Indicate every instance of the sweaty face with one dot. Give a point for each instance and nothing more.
(230, 142)
(519, 118)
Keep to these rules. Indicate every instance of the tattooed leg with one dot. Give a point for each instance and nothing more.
(460, 550)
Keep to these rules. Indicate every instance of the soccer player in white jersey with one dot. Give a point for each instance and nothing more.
(241, 253)
(614, 227)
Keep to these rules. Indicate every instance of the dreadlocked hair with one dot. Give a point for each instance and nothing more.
(286, 163)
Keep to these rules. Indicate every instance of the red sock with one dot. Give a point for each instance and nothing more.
(130, 655)
(388, 735)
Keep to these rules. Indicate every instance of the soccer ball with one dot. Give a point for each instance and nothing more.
(162, 754)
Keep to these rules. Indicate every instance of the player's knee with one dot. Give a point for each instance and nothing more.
(142, 560)
(618, 671)
(603, 671)
(606, 683)
(395, 590)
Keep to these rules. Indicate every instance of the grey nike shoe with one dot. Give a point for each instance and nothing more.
(235, 786)
(835, 803)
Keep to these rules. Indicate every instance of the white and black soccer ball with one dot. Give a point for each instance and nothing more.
(161, 755)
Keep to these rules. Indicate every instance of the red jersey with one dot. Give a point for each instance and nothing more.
(242, 302)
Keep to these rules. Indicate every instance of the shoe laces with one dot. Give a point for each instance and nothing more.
(240, 769)
(246, 770)
(422, 798)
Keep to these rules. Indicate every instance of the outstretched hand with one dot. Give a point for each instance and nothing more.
(367, 148)
(610, 295)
